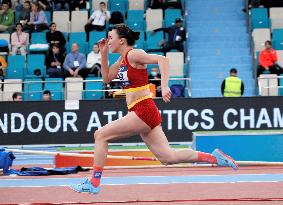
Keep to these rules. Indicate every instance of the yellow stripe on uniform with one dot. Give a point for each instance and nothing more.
(137, 88)
(138, 100)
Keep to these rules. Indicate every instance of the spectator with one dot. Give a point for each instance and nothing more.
(78, 4)
(46, 96)
(232, 86)
(98, 18)
(9, 2)
(75, 63)
(155, 78)
(17, 5)
(19, 40)
(154, 4)
(94, 61)
(62, 5)
(54, 62)
(6, 17)
(54, 36)
(38, 20)
(3, 66)
(176, 36)
(24, 16)
(267, 60)
(17, 97)
(46, 5)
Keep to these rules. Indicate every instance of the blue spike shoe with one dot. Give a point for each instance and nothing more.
(224, 160)
(85, 187)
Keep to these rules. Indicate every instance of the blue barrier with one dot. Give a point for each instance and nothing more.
(243, 147)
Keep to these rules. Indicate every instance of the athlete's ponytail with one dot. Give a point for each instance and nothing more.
(124, 31)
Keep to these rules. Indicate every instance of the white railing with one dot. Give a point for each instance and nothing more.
(187, 83)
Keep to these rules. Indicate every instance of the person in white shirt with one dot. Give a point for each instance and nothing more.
(98, 18)
(19, 40)
(94, 61)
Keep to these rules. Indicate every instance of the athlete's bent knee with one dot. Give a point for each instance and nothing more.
(98, 135)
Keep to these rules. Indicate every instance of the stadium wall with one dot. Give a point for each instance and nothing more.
(74, 122)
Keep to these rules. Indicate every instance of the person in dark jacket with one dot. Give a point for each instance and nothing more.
(176, 36)
(54, 62)
(54, 36)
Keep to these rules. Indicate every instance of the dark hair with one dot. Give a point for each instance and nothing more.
(268, 42)
(124, 31)
(19, 24)
(15, 95)
(27, 2)
(46, 92)
(233, 70)
(51, 24)
(102, 2)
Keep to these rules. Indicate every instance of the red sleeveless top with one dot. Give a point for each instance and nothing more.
(131, 77)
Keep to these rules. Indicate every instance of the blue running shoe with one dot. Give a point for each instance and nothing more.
(85, 187)
(224, 160)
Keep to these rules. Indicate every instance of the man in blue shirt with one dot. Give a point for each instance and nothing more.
(75, 63)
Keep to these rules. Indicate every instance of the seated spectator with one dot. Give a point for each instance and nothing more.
(176, 36)
(19, 40)
(154, 4)
(46, 95)
(17, 5)
(155, 78)
(3, 66)
(75, 63)
(24, 16)
(46, 5)
(78, 4)
(38, 20)
(267, 60)
(61, 5)
(17, 97)
(54, 36)
(98, 18)
(94, 61)
(9, 2)
(6, 17)
(54, 62)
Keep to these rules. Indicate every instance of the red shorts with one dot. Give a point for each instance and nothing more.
(148, 112)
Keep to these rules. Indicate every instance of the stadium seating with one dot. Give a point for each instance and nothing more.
(268, 80)
(74, 88)
(80, 39)
(276, 17)
(176, 63)
(78, 21)
(35, 62)
(55, 87)
(32, 89)
(118, 5)
(260, 35)
(94, 37)
(113, 57)
(11, 86)
(153, 41)
(62, 20)
(259, 18)
(170, 16)
(136, 5)
(154, 19)
(93, 85)
(277, 39)
(16, 67)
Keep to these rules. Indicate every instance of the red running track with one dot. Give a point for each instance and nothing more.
(189, 193)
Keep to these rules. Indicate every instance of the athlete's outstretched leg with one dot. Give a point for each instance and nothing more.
(159, 146)
(127, 126)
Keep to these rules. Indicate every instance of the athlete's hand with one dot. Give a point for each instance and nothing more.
(103, 46)
(166, 94)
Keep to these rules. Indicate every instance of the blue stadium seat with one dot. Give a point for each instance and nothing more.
(170, 16)
(96, 85)
(56, 88)
(135, 15)
(48, 16)
(140, 43)
(150, 66)
(94, 37)
(259, 18)
(38, 37)
(118, 5)
(136, 25)
(34, 62)
(277, 39)
(32, 91)
(153, 41)
(16, 67)
(281, 84)
(113, 57)
(80, 39)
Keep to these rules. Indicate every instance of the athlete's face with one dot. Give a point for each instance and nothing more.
(114, 42)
